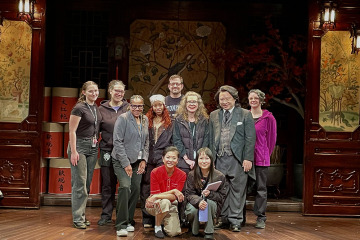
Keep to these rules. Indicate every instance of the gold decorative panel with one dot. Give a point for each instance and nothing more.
(159, 49)
(339, 83)
(15, 60)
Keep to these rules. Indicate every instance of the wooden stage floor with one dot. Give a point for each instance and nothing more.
(55, 222)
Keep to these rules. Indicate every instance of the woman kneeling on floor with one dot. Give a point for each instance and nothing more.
(206, 189)
(166, 184)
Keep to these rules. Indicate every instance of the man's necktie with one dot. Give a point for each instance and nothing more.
(227, 115)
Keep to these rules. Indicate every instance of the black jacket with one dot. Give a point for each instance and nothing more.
(183, 140)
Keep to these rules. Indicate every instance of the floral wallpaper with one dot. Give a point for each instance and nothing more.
(159, 49)
(15, 57)
(339, 83)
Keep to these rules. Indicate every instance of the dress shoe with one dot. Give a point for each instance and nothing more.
(235, 228)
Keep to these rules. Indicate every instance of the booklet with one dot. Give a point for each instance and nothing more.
(213, 186)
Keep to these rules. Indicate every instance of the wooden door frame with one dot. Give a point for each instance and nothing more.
(20, 143)
(335, 153)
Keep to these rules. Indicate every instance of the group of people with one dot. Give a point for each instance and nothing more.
(179, 160)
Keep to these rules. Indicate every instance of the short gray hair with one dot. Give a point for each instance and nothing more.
(133, 97)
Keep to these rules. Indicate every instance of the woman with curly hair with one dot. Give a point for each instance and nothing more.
(190, 129)
(160, 133)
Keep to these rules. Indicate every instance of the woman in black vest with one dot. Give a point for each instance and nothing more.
(190, 129)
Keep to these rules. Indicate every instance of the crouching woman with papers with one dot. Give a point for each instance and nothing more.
(206, 189)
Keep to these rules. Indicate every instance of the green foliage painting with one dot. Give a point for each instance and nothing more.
(159, 49)
(339, 83)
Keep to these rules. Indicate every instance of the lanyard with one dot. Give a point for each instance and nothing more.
(193, 134)
(94, 115)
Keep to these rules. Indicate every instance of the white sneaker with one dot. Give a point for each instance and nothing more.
(130, 228)
(122, 233)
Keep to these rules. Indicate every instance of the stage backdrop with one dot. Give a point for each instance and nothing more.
(339, 83)
(159, 49)
(15, 56)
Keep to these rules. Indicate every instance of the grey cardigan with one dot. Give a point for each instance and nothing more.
(127, 140)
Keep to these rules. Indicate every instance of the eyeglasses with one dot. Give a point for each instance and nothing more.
(175, 84)
(119, 91)
(192, 102)
(137, 106)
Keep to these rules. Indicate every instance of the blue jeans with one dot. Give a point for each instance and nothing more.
(128, 194)
(81, 176)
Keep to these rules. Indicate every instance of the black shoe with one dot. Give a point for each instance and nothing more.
(209, 236)
(198, 234)
(185, 224)
(235, 228)
(159, 234)
(79, 225)
(103, 222)
(221, 225)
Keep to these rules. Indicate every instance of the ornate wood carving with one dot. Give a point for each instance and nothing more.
(337, 181)
(14, 173)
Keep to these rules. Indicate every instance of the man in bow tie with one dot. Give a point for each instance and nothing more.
(232, 141)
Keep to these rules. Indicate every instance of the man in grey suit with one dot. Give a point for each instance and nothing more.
(232, 141)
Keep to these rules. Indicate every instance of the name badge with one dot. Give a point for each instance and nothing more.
(94, 141)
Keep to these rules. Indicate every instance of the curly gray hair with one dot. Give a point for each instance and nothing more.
(260, 94)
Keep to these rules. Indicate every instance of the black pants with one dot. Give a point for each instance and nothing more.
(108, 188)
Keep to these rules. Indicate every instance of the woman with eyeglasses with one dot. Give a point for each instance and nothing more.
(83, 149)
(160, 134)
(130, 154)
(190, 129)
(110, 110)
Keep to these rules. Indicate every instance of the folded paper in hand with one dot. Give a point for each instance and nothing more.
(213, 186)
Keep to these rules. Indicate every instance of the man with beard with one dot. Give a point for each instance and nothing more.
(172, 101)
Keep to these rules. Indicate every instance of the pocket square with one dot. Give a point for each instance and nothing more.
(238, 123)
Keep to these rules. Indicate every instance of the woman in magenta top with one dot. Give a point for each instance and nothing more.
(265, 126)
